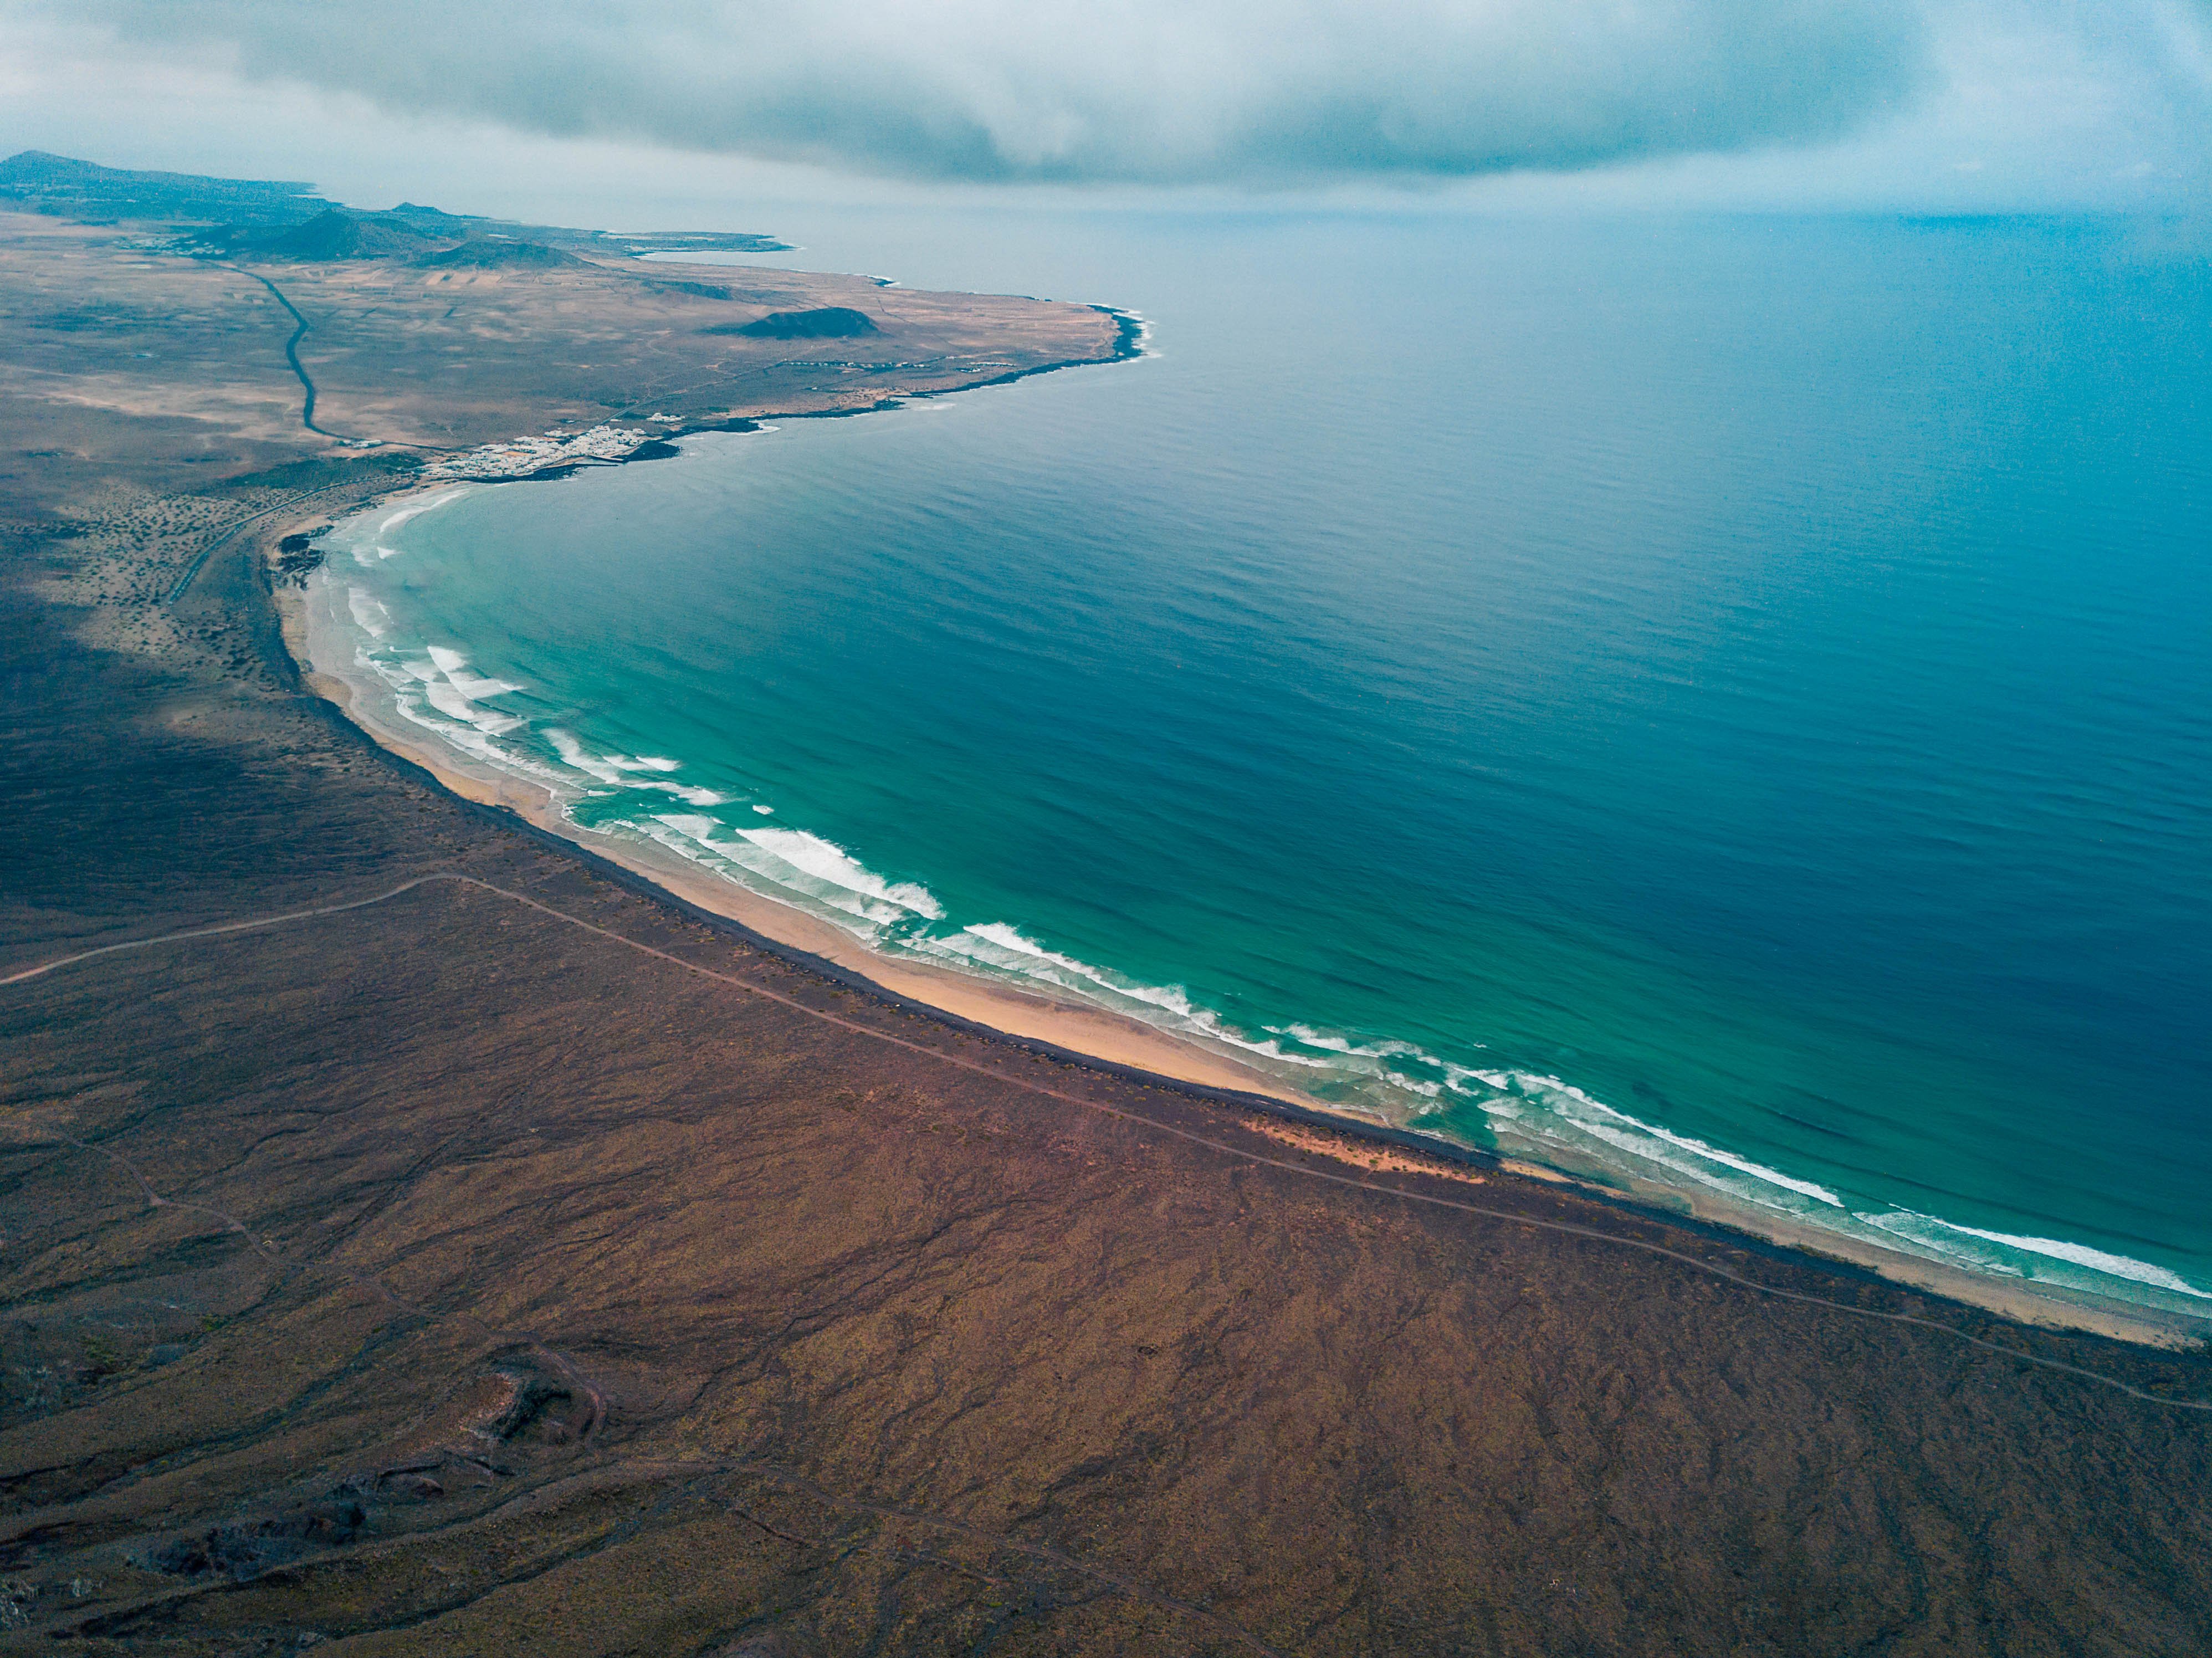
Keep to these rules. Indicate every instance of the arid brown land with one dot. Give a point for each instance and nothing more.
(518, 1264)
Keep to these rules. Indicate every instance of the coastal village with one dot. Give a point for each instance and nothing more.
(605, 444)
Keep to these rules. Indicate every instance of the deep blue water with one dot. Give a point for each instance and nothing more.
(1722, 706)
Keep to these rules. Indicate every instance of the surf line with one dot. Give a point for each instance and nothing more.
(1564, 1227)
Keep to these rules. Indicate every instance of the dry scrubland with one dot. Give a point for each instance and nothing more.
(138, 363)
(440, 1276)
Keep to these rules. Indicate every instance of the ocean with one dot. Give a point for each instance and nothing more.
(1720, 707)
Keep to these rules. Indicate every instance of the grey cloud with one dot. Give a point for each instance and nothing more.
(1144, 91)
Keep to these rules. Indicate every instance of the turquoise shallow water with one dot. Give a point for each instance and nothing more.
(1720, 707)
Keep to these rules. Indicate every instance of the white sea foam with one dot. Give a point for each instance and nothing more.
(421, 694)
(689, 837)
(994, 943)
(616, 768)
(1635, 1137)
(449, 688)
(1322, 1039)
(601, 766)
(1726, 1159)
(437, 690)
(370, 548)
(833, 864)
(368, 612)
(455, 668)
(416, 508)
(804, 867)
(1943, 1236)
(476, 688)
(572, 754)
(448, 701)
(1530, 1113)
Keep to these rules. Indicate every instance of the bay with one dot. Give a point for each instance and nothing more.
(1718, 706)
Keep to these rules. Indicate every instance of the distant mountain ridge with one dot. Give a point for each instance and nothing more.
(334, 234)
(38, 181)
(286, 220)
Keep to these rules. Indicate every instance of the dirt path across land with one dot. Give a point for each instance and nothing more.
(1032, 1085)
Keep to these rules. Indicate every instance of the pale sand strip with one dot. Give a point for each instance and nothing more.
(1103, 1036)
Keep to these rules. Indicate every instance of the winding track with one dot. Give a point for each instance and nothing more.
(1565, 1228)
(292, 356)
(307, 419)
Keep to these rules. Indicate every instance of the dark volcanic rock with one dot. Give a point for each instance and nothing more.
(298, 557)
(829, 322)
(495, 253)
(333, 235)
(242, 1550)
(436, 221)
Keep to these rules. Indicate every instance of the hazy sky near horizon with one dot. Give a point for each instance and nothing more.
(1942, 104)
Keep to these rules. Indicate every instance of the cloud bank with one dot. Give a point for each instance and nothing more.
(1082, 91)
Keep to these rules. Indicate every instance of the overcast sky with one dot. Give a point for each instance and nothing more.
(1938, 104)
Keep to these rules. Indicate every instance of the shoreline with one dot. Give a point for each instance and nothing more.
(1129, 332)
(1068, 1026)
(1118, 1045)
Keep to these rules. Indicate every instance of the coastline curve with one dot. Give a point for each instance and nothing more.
(1253, 1102)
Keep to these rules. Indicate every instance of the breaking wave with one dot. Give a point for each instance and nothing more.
(1518, 1111)
(2016, 1255)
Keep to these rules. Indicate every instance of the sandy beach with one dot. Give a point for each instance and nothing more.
(1094, 1033)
